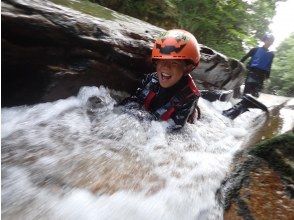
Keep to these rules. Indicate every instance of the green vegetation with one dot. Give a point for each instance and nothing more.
(228, 26)
(225, 25)
(282, 74)
(87, 7)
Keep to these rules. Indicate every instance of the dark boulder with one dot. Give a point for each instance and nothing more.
(50, 50)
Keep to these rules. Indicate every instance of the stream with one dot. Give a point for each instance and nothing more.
(70, 159)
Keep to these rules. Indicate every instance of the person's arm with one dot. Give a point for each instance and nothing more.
(137, 97)
(182, 113)
(249, 54)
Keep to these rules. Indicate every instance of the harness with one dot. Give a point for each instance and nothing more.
(165, 112)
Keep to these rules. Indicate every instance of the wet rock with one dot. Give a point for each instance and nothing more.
(279, 153)
(94, 102)
(217, 71)
(261, 186)
(50, 50)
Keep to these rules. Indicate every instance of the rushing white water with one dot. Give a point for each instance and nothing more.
(64, 160)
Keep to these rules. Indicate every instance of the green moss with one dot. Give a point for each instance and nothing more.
(279, 153)
(87, 7)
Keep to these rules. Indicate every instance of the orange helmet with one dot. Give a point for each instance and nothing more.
(176, 44)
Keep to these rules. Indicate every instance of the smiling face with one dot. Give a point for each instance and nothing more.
(170, 71)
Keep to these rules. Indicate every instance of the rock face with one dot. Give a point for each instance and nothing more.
(50, 51)
(261, 186)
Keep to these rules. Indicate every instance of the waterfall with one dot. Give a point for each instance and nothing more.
(70, 159)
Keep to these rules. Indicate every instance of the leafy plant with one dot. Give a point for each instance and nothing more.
(282, 74)
(228, 26)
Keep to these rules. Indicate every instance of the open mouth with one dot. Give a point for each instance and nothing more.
(165, 76)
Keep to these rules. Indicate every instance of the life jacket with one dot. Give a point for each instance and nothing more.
(261, 59)
(166, 111)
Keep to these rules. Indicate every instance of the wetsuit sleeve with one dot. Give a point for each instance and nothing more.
(183, 112)
(137, 97)
(249, 54)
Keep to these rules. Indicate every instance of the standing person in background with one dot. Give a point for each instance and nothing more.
(259, 66)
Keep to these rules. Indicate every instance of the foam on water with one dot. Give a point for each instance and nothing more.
(62, 160)
(288, 117)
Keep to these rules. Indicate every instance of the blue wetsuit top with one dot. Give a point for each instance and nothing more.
(261, 59)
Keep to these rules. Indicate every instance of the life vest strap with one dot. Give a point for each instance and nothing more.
(167, 115)
(192, 86)
(187, 92)
(148, 99)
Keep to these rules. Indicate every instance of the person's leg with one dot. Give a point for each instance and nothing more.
(241, 107)
(259, 85)
(235, 111)
(236, 93)
(212, 96)
(251, 88)
(254, 83)
(251, 102)
(251, 84)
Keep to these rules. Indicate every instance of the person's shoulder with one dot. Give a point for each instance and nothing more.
(192, 86)
(150, 77)
(153, 78)
(189, 95)
(250, 53)
(272, 53)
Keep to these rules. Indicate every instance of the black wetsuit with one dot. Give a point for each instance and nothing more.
(177, 102)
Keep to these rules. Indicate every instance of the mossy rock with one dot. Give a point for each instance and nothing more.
(279, 153)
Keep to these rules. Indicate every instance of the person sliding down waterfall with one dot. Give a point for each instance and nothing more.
(170, 93)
